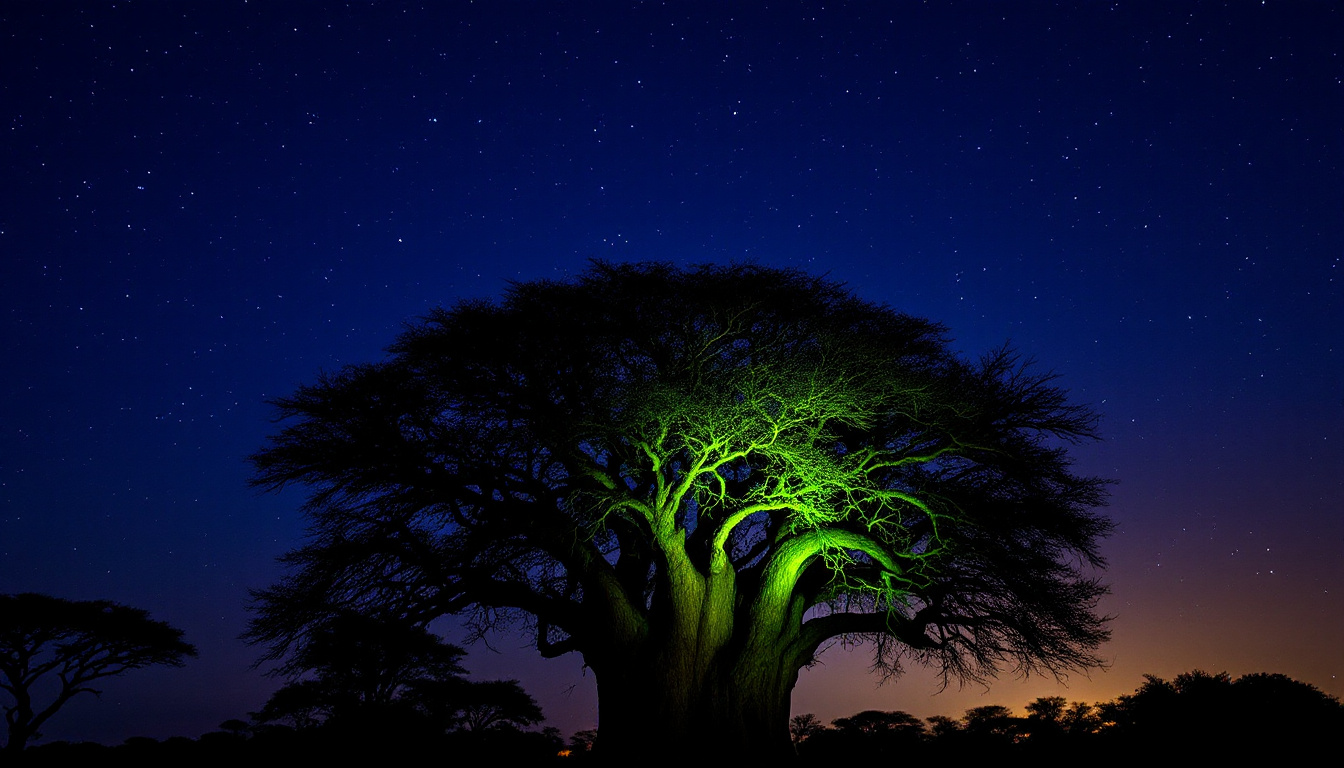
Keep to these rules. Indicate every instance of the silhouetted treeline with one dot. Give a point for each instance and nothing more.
(365, 687)
(283, 745)
(1195, 716)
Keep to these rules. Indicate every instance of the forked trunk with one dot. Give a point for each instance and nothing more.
(21, 727)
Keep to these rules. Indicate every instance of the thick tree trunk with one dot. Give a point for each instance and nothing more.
(17, 739)
(19, 720)
(739, 711)
(703, 682)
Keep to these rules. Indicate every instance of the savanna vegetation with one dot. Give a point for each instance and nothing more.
(1195, 716)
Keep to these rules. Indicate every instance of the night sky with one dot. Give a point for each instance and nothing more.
(205, 205)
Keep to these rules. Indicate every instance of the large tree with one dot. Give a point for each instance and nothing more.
(696, 478)
(52, 650)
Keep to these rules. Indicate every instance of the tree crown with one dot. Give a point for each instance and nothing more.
(605, 454)
(75, 643)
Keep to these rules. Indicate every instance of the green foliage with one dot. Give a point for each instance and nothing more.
(733, 464)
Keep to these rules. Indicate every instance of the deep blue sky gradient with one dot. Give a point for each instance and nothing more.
(205, 205)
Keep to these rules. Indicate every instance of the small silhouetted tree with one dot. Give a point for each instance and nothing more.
(372, 661)
(356, 672)
(1082, 719)
(583, 741)
(485, 719)
(696, 478)
(990, 726)
(239, 729)
(802, 727)
(1044, 722)
(476, 705)
(877, 734)
(943, 727)
(62, 647)
(878, 721)
(1047, 710)
(299, 704)
(362, 673)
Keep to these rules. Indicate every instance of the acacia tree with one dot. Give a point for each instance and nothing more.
(363, 676)
(482, 705)
(359, 670)
(696, 478)
(60, 647)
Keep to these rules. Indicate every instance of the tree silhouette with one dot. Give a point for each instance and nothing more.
(878, 721)
(371, 662)
(696, 478)
(238, 729)
(803, 727)
(490, 704)
(1048, 710)
(944, 728)
(1211, 714)
(875, 734)
(582, 741)
(1082, 719)
(381, 677)
(990, 724)
(475, 705)
(301, 704)
(1053, 726)
(360, 669)
(48, 644)
(1045, 718)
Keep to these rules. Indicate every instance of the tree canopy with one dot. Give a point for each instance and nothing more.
(1216, 713)
(696, 478)
(359, 669)
(362, 675)
(61, 647)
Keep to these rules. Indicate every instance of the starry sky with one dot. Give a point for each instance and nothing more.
(207, 204)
